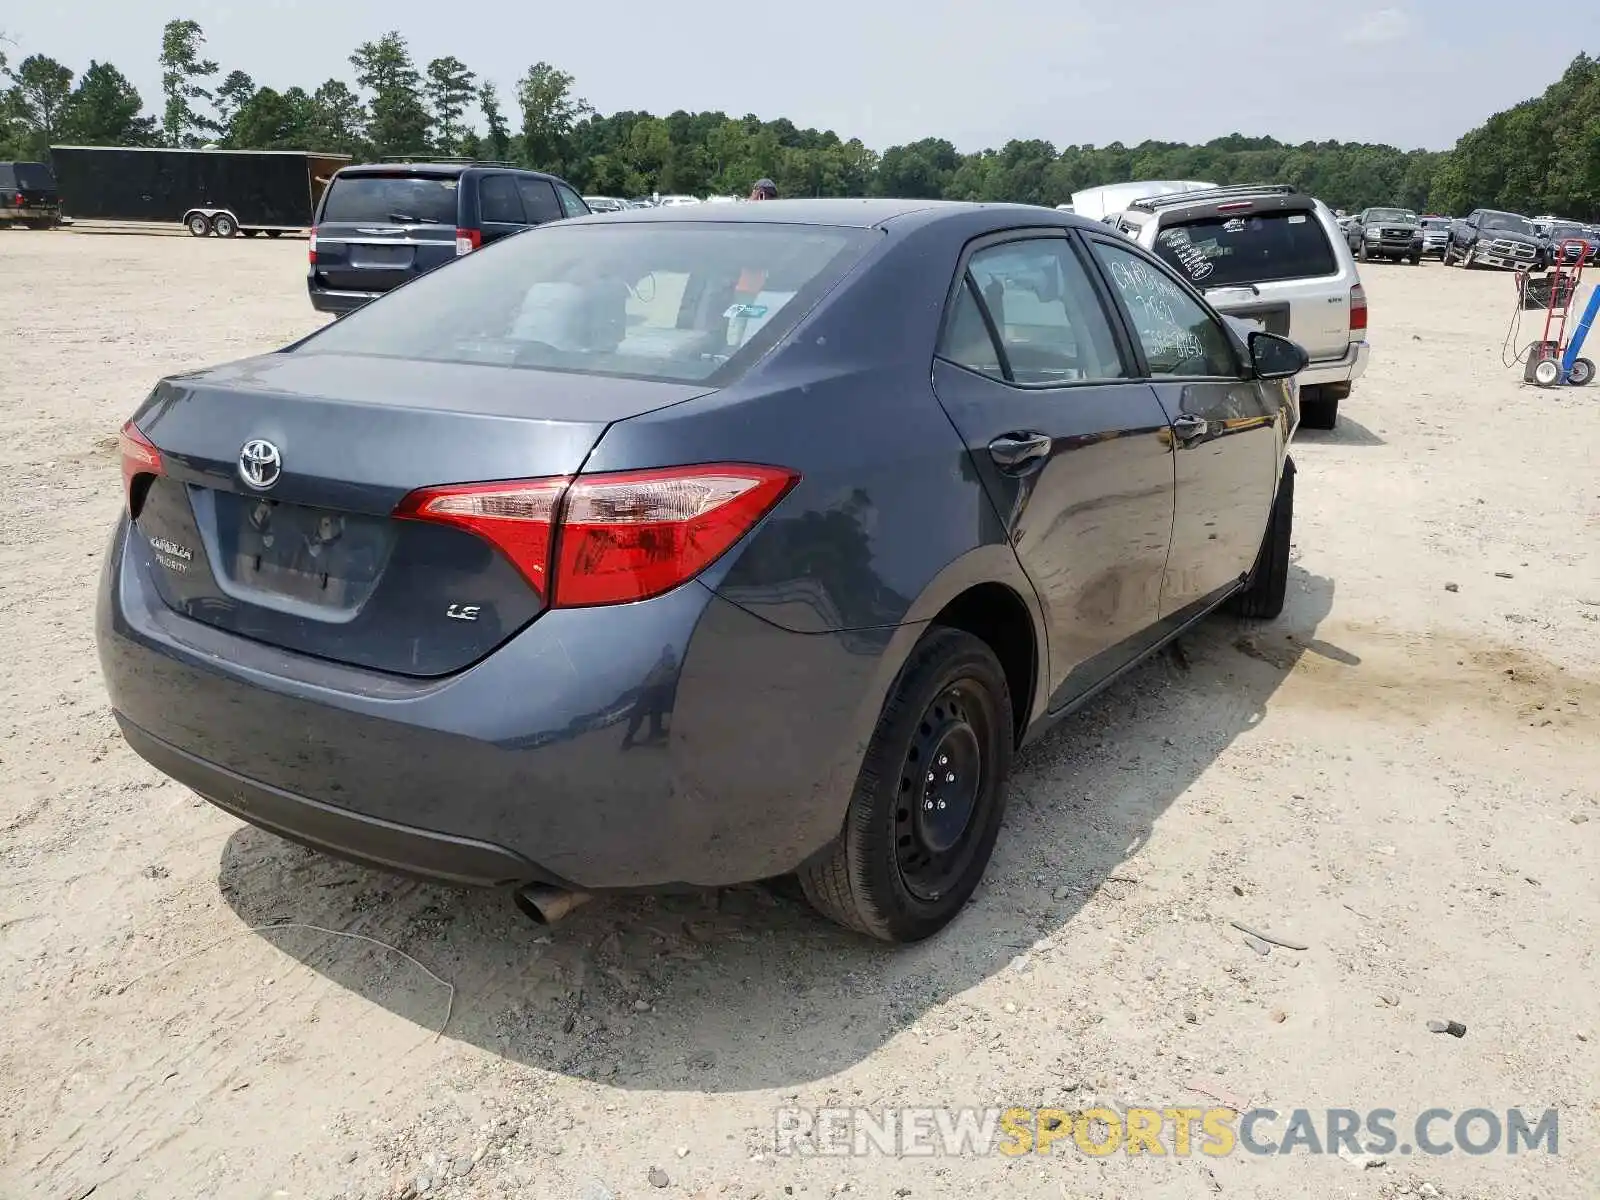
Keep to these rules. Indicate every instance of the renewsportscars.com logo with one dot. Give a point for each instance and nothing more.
(1159, 1132)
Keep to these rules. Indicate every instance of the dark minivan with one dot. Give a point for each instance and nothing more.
(382, 224)
(28, 195)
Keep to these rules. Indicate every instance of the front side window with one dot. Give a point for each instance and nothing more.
(1040, 302)
(497, 195)
(1179, 337)
(686, 302)
(1227, 251)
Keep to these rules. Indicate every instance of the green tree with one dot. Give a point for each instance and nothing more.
(398, 122)
(105, 110)
(338, 121)
(497, 138)
(182, 74)
(38, 100)
(233, 93)
(449, 89)
(549, 113)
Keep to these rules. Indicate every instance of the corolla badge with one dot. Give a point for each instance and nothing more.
(260, 464)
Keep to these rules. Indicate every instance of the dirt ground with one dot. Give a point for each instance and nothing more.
(1401, 774)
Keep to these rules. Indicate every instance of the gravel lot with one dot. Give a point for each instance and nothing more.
(1400, 774)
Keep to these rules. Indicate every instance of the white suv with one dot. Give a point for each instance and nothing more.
(1271, 254)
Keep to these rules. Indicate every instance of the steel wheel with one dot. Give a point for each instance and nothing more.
(199, 226)
(941, 783)
(225, 225)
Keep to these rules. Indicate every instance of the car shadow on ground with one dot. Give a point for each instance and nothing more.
(1345, 433)
(746, 988)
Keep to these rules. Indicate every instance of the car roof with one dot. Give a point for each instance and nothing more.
(436, 170)
(852, 214)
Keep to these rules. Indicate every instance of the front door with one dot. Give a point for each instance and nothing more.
(1072, 447)
(1225, 428)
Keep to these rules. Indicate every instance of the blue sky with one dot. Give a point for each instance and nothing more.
(1413, 74)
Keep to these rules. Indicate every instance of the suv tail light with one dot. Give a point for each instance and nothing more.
(21, 200)
(468, 240)
(139, 457)
(311, 246)
(611, 538)
(1358, 310)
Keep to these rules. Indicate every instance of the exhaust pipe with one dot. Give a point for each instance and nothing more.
(546, 905)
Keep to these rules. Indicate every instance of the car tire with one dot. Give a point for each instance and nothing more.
(899, 871)
(1264, 592)
(1319, 407)
(1416, 260)
(1582, 372)
(1447, 255)
(199, 225)
(1362, 253)
(1468, 256)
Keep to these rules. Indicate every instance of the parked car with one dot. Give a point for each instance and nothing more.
(1274, 255)
(1486, 237)
(379, 225)
(677, 201)
(1435, 233)
(1568, 242)
(28, 195)
(801, 518)
(1392, 233)
(600, 204)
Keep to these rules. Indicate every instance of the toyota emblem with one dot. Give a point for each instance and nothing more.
(260, 464)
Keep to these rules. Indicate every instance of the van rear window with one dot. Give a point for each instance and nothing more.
(1225, 251)
(391, 200)
(35, 177)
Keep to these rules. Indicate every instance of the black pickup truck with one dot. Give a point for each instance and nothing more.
(1489, 238)
(1393, 233)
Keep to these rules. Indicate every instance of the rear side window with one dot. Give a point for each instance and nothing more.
(539, 200)
(7, 179)
(1223, 251)
(391, 200)
(497, 197)
(685, 302)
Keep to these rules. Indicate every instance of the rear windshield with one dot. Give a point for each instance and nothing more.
(686, 302)
(391, 200)
(36, 177)
(1253, 248)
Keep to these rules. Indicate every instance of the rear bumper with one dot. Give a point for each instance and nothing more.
(330, 301)
(30, 214)
(1341, 370)
(569, 755)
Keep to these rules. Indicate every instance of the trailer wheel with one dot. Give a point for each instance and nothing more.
(273, 233)
(199, 225)
(1582, 371)
(224, 225)
(249, 232)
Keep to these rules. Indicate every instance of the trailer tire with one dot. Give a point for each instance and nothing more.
(224, 225)
(249, 232)
(273, 233)
(199, 225)
(1582, 372)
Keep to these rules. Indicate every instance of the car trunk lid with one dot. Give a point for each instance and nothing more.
(273, 513)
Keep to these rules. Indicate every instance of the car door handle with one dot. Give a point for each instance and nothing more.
(1016, 453)
(1188, 427)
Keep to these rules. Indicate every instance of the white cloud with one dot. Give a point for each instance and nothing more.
(1384, 25)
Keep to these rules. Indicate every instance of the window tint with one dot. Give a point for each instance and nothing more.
(7, 179)
(1179, 337)
(571, 204)
(497, 199)
(690, 303)
(36, 177)
(538, 200)
(1223, 251)
(391, 199)
(1051, 326)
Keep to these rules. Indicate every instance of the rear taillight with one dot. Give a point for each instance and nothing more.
(616, 537)
(1358, 310)
(21, 200)
(468, 240)
(139, 457)
(311, 248)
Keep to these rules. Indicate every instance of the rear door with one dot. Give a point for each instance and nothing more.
(1072, 447)
(1226, 430)
(376, 231)
(1270, 261)
(36, 184)
(500, 208)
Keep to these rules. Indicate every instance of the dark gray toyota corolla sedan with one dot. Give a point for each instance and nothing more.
(691, 546)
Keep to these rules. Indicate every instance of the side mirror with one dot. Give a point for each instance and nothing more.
(1275, 357)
